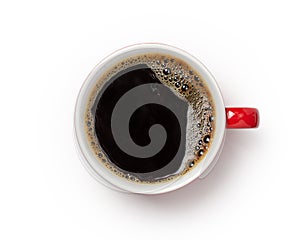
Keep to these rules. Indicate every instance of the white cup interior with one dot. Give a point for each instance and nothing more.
(98, 170)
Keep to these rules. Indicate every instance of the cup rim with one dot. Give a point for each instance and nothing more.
(117, 183)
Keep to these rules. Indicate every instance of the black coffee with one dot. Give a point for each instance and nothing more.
(150, 118)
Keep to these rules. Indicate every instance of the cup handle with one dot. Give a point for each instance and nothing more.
(242, 117)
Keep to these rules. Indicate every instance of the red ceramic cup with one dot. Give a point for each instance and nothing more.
(225, 117)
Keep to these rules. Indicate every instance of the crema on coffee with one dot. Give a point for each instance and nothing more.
(150, 118)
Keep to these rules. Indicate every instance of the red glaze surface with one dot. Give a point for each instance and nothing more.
(242, 118)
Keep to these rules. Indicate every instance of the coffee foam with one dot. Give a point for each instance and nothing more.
(188, 85)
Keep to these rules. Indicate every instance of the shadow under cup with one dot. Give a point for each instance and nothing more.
(110, 177)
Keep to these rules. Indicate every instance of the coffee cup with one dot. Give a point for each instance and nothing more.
(150, 118)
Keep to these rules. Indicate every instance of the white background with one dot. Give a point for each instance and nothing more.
(46, 51)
